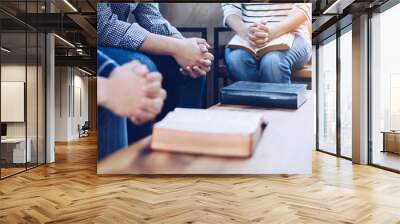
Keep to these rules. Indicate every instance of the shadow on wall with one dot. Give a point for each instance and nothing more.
(193, 15)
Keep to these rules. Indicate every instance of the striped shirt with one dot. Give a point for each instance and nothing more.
(105, 64)
(273, 13)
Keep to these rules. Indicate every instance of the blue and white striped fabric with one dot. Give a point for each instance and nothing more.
(105, 64)
(114, 28)
(273, 13)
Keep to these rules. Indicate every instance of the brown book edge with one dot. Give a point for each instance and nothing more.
(279, 47)
(250, 139)
(250, 51)
(262, 51)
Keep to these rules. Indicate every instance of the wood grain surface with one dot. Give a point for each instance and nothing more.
(70, 191)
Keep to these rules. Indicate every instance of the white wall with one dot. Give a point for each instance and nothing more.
(12, 73)
(61, 103)
(12, 101)
(389, 69)
(33, 126)
(79, 117)
(70, 83)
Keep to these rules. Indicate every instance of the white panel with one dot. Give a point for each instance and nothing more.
(50, 99)
(360, 90)
(77, 101)
(12, 101)
(76, 120)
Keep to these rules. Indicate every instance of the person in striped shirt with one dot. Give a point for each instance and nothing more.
(259, 23)
(126, 92)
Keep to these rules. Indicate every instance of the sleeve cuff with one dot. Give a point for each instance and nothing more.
(164, 29)
(174, 31)
(105, 64)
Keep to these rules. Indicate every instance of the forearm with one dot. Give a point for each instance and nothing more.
(237, 25)
(102, 95)
(289, 24)
(160, 45)
(178, 36)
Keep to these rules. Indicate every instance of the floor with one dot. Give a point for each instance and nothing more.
(10, 171)
(5, 172)
(387, 159)
(69, 191)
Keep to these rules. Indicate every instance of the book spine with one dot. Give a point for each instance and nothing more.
(269, 101)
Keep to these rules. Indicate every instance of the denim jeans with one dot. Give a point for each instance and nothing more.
(116, 132)
(273, 67)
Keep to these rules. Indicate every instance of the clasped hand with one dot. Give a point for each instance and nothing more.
(193, 57)
(134, 92)
(259, 34)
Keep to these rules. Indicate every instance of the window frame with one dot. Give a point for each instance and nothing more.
(334, 37)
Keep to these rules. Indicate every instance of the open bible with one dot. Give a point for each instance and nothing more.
(281, 43)
(211, 132)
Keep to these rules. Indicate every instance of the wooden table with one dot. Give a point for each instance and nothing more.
(14, 148)
(391, 141)
(285, 148)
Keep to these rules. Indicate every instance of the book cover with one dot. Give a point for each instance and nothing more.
(270, 95)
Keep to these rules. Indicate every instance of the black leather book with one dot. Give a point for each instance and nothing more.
(270, 95)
